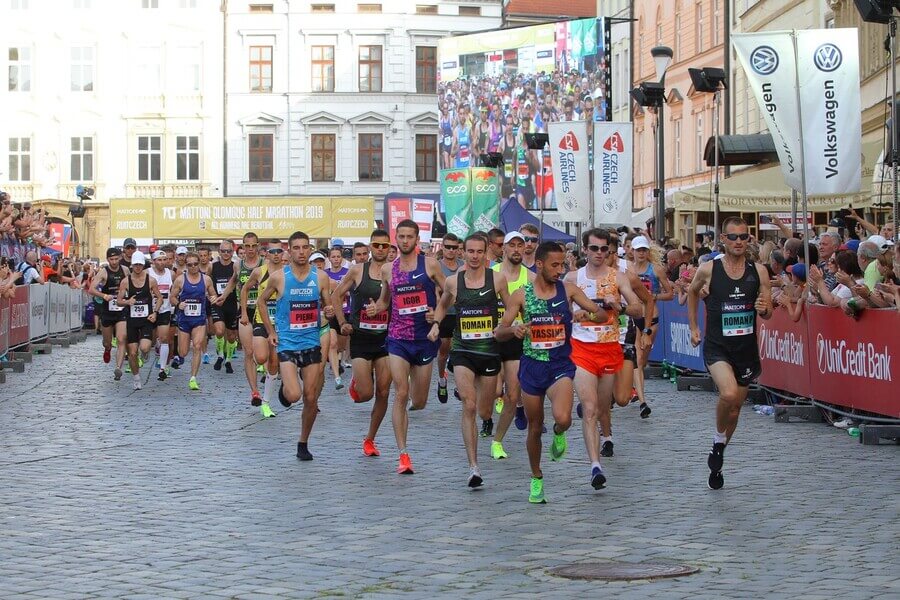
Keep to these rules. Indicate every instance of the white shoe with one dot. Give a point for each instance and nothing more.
(844, 423)
(137, 383)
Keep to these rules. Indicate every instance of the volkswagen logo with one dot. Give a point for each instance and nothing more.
(486, 188)
(457, 189)
(764, 60)
(828, 57)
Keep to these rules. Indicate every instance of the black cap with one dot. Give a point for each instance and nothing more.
(129, 242)
(836, 222)
(113, 252)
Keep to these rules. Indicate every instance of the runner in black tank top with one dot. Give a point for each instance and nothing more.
(738, 293)
(225, 317)
(138, 293)
(105, 287)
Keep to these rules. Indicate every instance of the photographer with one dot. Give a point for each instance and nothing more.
(29, 270)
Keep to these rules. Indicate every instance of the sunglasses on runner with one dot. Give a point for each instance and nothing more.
(192, 264)
(531, 239)
(596, 248)
(731, 237)
(381, 245)
(275, 250)
(251, 245)
(451, 247)
(226, 249)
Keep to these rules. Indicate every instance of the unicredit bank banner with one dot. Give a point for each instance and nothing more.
(784, 352)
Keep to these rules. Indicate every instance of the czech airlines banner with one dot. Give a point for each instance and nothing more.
(613, 148)
(808, 81)
(571, 169)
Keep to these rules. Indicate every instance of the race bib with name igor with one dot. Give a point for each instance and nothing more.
(377, 323)
(192, 308)
(114, 305)
(411, 299)
(737, 320)
(140, 311)
(476, 323)
(304, 314)
(547, 331)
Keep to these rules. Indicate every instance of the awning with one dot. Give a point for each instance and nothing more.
(765, 191)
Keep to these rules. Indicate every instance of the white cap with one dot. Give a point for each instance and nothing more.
(513, 235)
(880, 241)
(180, 250)
(640, 242)
(621, 251)
(138, 258)
(316, 256)
(158, 254)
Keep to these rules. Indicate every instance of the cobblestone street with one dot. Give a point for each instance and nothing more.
(169, 493)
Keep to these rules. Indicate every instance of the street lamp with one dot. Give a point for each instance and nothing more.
(710, 80)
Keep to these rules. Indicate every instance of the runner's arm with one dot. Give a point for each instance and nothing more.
(595, 312)
(668, 292)
(175, 291)
(644, 295)
(121, 297)
(506, 330)
(384, 300)
(436, 273)
(98, 282)
(275, 278)
(701, 277)
(764, 299)
(245, 290)
(633, 304)
(444, 302)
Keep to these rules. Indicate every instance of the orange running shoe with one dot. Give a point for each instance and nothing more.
(354, 395)
(405, 465)
(107, 355)
(369, 448)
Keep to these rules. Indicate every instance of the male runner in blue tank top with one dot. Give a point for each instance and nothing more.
(739, 292)
(303, 295)
(190, 292)
(409, 288)
(546, 368)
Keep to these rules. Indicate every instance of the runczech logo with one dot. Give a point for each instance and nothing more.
(457, 189)
(614, 143)
(828, 57)
(764, 60)
(486, 188)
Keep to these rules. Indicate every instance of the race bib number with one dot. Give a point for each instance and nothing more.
(140, 311)
(738, 323)
(647, 283)
(448, 140)
(220, 286)
(523, 171)
(304, 314)
(377, 323)
(271, 307)
(547, 331)
(623, 328)
(252, 295)
(464, 153)
(114, 305)
(476, 323)
(411, 299)
(192, 308)
(507, 171)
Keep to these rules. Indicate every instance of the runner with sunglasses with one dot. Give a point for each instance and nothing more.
(739, 292)
(530, 235)
(189, 293)
(368, 335)
(450, 264)
(243, 267)
(225, 317)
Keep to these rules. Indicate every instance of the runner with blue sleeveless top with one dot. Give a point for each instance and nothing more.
(189, 293)
(336, 271)
(303, 296)
(546, 368)
(409, 289)
(462, 142)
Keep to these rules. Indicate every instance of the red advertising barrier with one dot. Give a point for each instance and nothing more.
(852, 362)
(18, 318)
(397, 209)
(784, 352)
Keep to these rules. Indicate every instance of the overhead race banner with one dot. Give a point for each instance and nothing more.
(456, 195)
(613, 149)
(768, 61)
(131, 218)
(828, 80)
(485, 198)
(571, 178)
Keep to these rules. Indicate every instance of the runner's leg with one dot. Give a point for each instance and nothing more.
(399, 417)
(586, 385)
(534, 410)
(468, 395)
(198, 340)
(382, 368)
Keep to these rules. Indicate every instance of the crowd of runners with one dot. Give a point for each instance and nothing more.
(501, 311)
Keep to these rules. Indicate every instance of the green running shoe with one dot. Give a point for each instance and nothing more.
(498, 405)
(497, 451)
(265, 410)
(140, 362)
(537, 491)
(127, 368)
(558, 446)
(193, 385)
(260, 369)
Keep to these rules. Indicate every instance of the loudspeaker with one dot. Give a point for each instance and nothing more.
(874, 11)
(536, 141)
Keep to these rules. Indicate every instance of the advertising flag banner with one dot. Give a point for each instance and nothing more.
(569, 159)
(485, 198)
(768, 61)
(423, 215)
(456, 196)
(613, 150)
(397, 209)
(828, 79)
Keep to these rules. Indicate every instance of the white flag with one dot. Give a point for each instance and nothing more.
(571, 171)
(612, 172)
(423, 215)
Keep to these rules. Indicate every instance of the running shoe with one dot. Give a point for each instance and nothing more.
(266, 411)
(498, 405)
(520, 420)
(338, 384)
(579, 411)
(117, 374)
(137, 383)
(537, 491)
(645, 410)
(255, 398)
(176, 362)
(281, 397)
(487, 428)
(303, 452)
(475, 479)
(404, 466)
(115, 342)
(340, 368)
(127, 368)
(443, 395)
(260, 369)
(107, 355)
(162, 375)
(634, 395)
(558, 446)
(140, 362)
(497, 451)
(607, 449)
(218, 365)
(354, 394)
(228, 368)
(715, 461)
(193, 385)
(206, 358)
(598, 479)
(369, 448)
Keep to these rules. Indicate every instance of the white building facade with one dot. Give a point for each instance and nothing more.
(337, 98)
(620, 55)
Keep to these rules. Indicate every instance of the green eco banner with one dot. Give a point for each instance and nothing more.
(485, 198)
(456, 192)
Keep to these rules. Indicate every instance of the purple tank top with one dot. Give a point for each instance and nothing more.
(412, 293)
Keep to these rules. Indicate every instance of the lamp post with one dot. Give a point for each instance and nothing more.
(662, 58)
(708, 80)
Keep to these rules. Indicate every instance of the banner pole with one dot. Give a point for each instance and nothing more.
(894, 120)
(717, 98)
(802, 151)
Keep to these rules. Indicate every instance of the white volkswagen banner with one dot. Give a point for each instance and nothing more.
(569, 157)
(828, 79)
(613, 149)
(768, 61)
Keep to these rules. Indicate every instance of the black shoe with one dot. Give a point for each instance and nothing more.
(645, 410)
(714, 461)
(303, 452)
(716, 480)
(598, 479)
(228, 368)
(340, 368)
(442, 393)
(281, 398)
(218, 365)
(456, 394)
(176, 362)
(487, 428)
(607, 449)
(162, 375)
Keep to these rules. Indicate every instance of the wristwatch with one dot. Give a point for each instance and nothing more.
(647, 331)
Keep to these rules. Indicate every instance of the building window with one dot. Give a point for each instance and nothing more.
(626, 69)
(82, 69)
(698, 32)
(149, 3)
(370, 68)
(149, 158)
(77, 4)
(659, 28)
(715, 23)
(676, 46)
(187, 3)
(187, 158)
(426, 157)
(677, 166)
(326, 8)
(323, 68)
(370, 157)
(19, 69)
(81, 167)
(426, 69)
(261, 156)
(188, 66)
(20, 159)
(323, 157)
(426, 9)
(699, 142)
(18, 4)
(262, 8)
(147, 74)
(368, 8)
(260, 68)
(470, 11)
